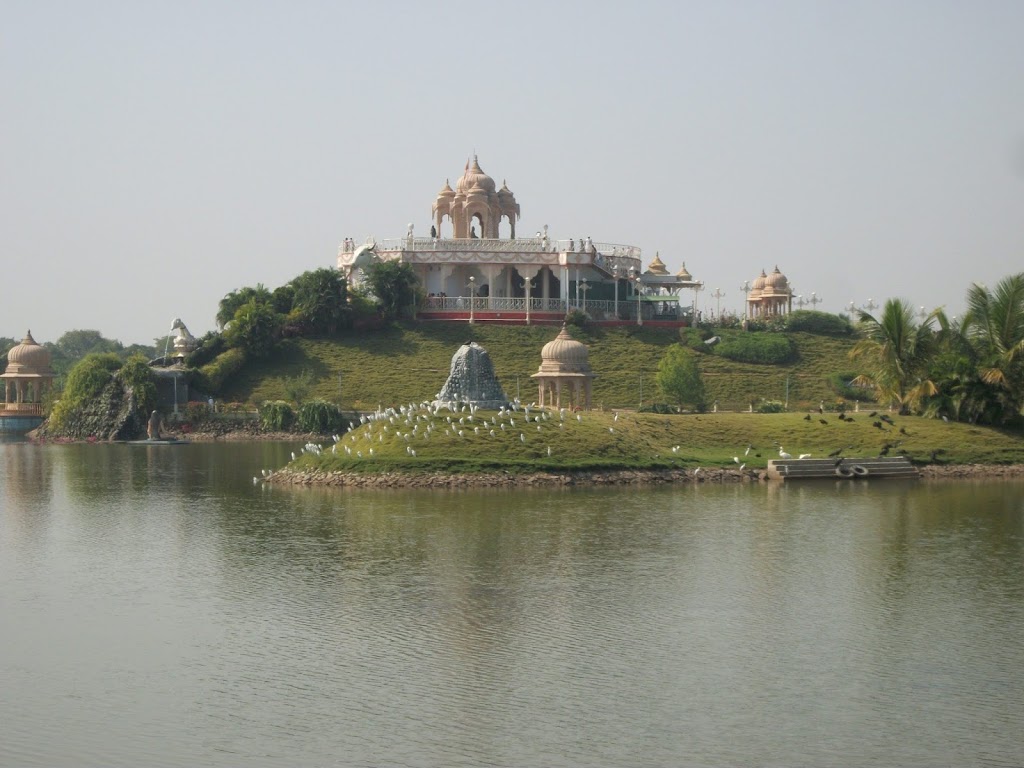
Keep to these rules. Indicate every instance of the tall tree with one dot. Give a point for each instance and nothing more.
(319, 301)
(256, 328)
(679, 378)
(232, 301)
(897, 351)
(395, 285)
(994, 324)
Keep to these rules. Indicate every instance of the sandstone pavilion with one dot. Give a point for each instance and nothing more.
(469, 271)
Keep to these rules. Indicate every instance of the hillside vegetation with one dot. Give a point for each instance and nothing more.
(410, 364)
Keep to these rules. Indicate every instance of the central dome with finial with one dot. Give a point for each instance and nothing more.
(28, 357)
(474, 178)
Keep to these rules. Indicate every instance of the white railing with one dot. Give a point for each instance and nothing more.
(612, 251)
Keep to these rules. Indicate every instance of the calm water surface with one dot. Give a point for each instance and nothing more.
(157, 608)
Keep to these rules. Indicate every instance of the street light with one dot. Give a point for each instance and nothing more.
(584, 286)
(746, 292)
(815, 300)
(636, 287)
(801, 301)
(615, 274)
(718, 294)
(851, 307)
(527, 284)
(870, 306)
(472, 295)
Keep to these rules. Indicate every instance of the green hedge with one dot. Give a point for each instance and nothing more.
(761, 348)
(215, 374)
(840, 384)
(276, 416)
(821, 323)
(320, 417)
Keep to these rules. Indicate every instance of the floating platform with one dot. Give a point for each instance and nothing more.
(896, 467)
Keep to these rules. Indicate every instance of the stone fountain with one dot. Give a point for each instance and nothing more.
(472, 380)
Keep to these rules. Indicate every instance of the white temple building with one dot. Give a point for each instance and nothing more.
(469, 271)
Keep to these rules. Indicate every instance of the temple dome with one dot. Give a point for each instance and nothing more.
(28, 357)
(505, 194)
(682, 274)
(657, 266)
(446, 190)
(564, 355)
(777, 280)
(474, 178)
(759, 282)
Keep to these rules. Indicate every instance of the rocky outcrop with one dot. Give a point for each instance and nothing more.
(509, 479)
(111, 416)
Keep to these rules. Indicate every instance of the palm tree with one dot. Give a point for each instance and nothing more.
(898, 350)
(232, 301)
(994, 325)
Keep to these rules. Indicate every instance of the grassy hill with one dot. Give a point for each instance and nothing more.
(402, 365)
(642, 441)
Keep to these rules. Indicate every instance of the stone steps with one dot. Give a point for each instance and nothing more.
(849, 468)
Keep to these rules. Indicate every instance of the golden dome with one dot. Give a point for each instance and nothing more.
(564, 355)
(28, 357)
(682, 274)
(474, 178)
(657, 266)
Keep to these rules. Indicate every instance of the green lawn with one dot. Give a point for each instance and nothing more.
(599, 440)
(401, 365)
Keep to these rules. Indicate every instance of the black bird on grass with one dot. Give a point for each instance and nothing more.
(903, 431)
(822, 421)
(872, 414)
(807, 417)
(876, 424)
(887, 419)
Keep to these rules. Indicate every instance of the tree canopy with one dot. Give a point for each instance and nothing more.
(679, 378)
(395, 285)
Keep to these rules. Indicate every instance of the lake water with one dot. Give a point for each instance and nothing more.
(157, 608)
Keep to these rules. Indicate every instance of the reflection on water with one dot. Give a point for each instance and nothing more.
(161, 609)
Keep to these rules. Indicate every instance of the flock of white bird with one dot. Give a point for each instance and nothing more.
(418, 423)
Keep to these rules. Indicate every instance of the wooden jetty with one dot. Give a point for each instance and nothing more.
(842, 469)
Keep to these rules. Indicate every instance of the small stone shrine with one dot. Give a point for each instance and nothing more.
(26, 381)
(564, 364)
(472, 380)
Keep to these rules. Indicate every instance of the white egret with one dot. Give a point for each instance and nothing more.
(783, 454)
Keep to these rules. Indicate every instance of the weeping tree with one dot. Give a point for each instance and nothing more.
(896, 352)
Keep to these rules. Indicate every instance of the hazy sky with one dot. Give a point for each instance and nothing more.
(157, 155)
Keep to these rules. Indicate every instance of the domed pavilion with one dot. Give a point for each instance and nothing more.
(770, 295)
(564, 364)
(26, 381)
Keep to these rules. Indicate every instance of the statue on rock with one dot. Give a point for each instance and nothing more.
(472, 380)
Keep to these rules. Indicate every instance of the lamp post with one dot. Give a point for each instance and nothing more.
(696, 289)
(528, 285)
(718, 294)
(922, 312)
(584, 287)
(851, 307)
(800, 301)
(815, 300)
(870, 306)
(746, 292)
(615, 275)
(639, 307)
(472, 295)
